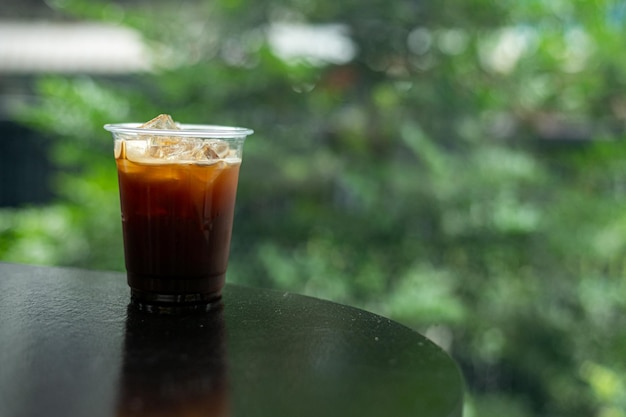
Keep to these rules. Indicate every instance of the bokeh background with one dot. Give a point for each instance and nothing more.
(456, 165)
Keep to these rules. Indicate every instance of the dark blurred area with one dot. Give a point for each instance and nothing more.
(25, 170)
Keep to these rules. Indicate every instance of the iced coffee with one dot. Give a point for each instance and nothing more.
(177, 192)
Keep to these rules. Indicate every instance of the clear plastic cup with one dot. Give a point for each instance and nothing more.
(177, 196)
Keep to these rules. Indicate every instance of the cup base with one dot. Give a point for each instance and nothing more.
(174, 303)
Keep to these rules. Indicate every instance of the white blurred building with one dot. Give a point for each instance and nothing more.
(69, 47)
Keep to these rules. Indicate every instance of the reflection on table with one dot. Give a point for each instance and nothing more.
(186, 376)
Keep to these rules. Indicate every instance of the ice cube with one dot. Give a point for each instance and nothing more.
(154, 148)
(117, 149)
(170, 148)
(162, 121)
(164, 147)
(135, 149)
(215, 149)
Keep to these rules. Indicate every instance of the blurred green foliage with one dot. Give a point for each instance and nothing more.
(463, 173)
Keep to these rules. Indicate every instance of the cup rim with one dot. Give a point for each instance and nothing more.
(186, 130)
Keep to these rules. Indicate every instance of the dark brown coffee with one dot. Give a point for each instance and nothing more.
(177, 219)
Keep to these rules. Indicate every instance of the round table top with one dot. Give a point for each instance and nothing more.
(72, 345)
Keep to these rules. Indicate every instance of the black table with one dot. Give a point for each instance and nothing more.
(72, 345)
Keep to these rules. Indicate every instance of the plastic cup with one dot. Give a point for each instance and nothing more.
(177, 197)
